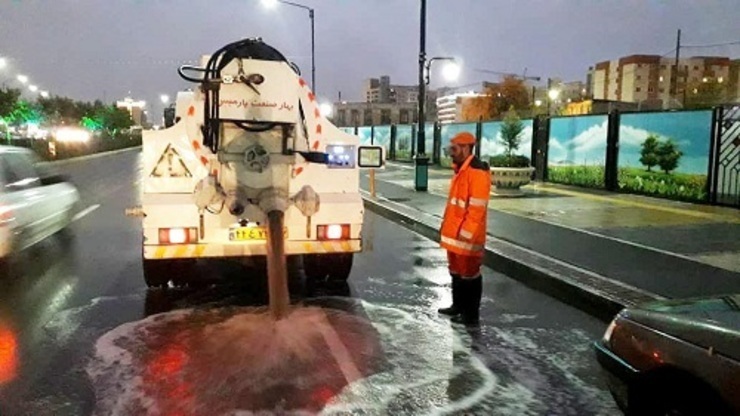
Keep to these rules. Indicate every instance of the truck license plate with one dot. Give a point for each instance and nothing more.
(251, 233)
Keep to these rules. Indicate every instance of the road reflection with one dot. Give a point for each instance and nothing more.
(215, 350)
(35, 286)
(8, 353)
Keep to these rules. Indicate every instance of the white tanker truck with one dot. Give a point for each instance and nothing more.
(248, 141)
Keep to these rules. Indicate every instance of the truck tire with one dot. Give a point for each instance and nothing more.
(331, 267)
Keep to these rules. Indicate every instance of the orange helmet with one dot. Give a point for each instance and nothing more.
(463, 138)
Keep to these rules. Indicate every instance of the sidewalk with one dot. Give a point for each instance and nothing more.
(652, 247)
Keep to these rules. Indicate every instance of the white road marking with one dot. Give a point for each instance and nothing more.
(85, 211)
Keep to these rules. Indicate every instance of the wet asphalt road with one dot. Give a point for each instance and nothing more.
(383, 349)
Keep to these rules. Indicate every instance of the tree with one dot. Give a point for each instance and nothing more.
(510, 93)
(705, 94)
(496, 101)
(63, 110)
(475, 109)
(511, 131)
(113, 119)
(668, 156)
(8, 100)
(24, 112)
(649, 152)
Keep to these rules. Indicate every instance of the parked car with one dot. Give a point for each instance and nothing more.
(677, 357)
(35, 202)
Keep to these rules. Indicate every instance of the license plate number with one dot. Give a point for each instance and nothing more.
(251, 234)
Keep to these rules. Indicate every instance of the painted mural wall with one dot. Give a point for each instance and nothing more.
(577, 150)
(665, 154)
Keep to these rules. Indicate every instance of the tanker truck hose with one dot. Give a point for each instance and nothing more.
(277, 271)
(181, 71)
(245, 48)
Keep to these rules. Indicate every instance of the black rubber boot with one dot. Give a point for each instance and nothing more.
(456, 298)
(472, 290)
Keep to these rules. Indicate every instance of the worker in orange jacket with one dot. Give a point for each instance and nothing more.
(463, 232)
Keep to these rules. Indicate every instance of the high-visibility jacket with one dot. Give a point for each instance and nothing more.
(464, 224)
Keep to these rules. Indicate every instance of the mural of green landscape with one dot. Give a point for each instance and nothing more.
(665, 154)
(662, 154)
(577, 150)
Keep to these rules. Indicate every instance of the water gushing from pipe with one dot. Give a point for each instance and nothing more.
(277, 271)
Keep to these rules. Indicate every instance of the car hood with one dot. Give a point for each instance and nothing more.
(707, 322)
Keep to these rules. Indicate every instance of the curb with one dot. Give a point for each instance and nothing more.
(88, 157)
(595, 294)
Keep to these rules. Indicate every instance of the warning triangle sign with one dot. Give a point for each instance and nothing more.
(170, 165)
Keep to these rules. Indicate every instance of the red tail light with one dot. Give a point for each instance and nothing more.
(333, 232)
(6, 215)
(178, 235)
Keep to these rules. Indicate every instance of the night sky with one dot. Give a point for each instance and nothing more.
(88, 49)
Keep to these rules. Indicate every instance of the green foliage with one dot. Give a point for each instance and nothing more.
(587, 176)
(708, 94)
(511, 130)
(403, 154)
(668, 156)
(25, 112)
(678, 186)
(662, 153)
(513, 161)
(648, 153)
(8, 100)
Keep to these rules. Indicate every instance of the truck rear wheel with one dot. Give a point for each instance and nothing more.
(332, 267)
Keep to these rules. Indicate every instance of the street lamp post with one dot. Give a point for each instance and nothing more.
(311, 14)
(421, 161)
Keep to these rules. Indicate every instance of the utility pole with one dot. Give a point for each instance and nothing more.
(674, 78)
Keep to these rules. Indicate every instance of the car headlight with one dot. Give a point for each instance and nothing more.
(609, 330)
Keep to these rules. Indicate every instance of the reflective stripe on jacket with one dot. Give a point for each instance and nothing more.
(464, 224)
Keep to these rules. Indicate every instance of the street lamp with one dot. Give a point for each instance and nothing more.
(552, 94)
(164, 98)
(450, 71)
(44, 94)
(22, 79)
(272, 4)
(326, 110)
(33, 88)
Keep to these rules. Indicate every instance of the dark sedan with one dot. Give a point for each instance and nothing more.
(677, 357)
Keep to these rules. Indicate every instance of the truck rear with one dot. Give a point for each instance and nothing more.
(250, 140)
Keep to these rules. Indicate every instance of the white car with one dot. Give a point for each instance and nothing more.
(34, 202)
